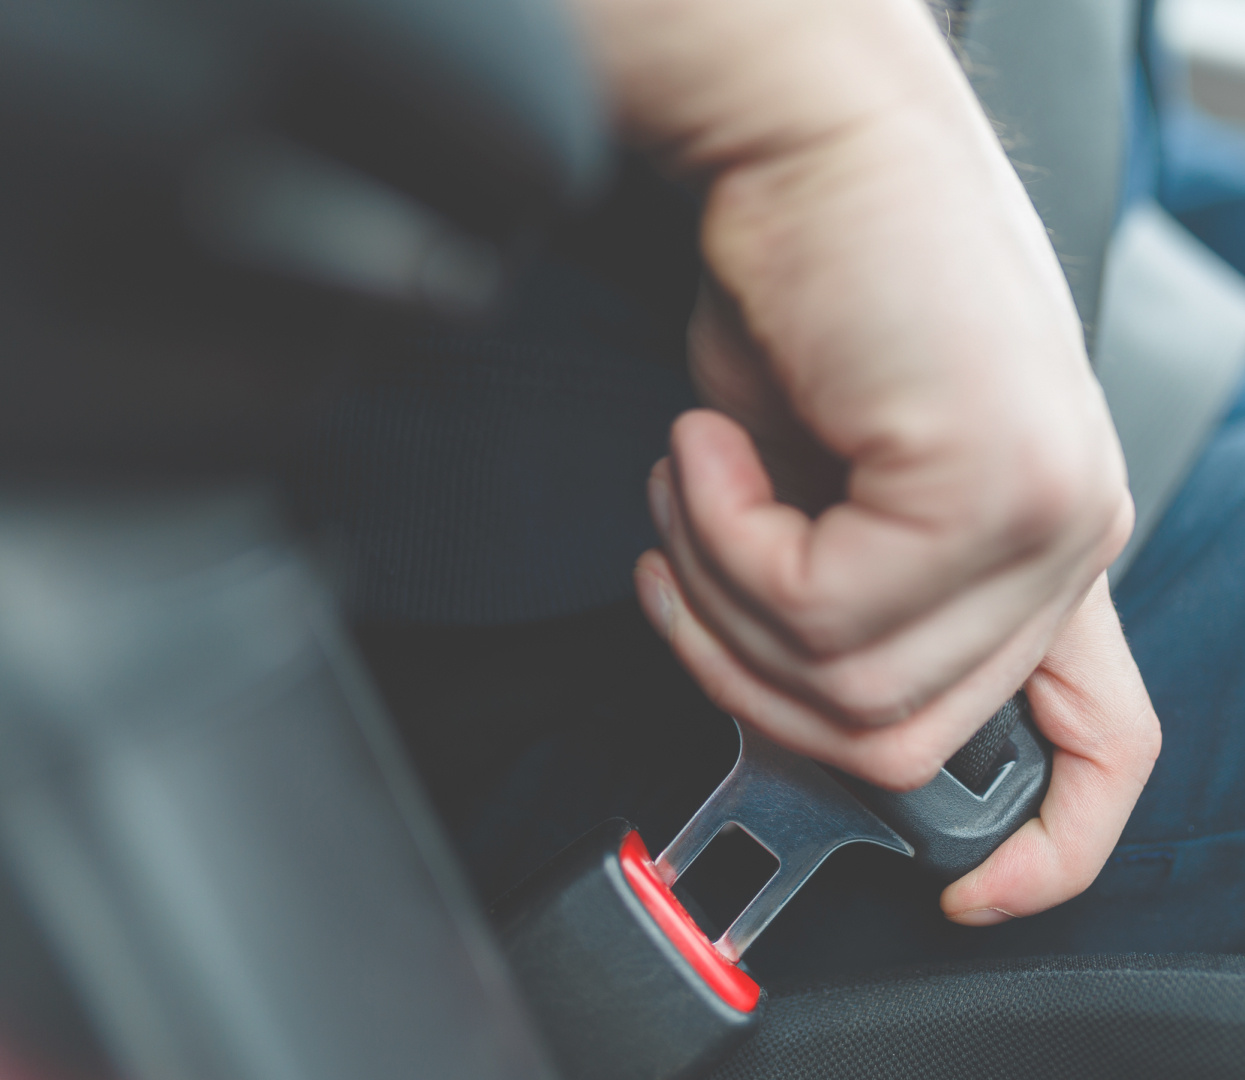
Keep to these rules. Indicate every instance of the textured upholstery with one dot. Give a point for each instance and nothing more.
(1054, 1018)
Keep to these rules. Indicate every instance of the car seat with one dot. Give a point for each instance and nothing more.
(217, 863)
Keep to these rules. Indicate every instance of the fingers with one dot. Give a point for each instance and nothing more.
(789, 596)
(900, 756)
(1086, 693)
(1088, 699)
(810, 574)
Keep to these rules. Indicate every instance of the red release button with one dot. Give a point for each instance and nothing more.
(733, 986)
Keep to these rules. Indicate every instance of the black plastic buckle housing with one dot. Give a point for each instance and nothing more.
(612, 994)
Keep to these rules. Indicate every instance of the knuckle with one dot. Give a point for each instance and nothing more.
(1077, 864)
(1147, 740)
(806, 616)
(863, 697)
(815, 631)
(1154, 742)
(1079, 874)
(1068, 484)
(1051, 495)
(901, 767)
(1120, 527)
(1131, 748)
(817, 618)
(790, 591)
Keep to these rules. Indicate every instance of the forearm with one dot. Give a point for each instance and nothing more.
(712, 85)
(827, 135)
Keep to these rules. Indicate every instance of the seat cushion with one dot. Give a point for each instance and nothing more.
(1130, 1017)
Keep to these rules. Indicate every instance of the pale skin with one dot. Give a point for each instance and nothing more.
(900, 501)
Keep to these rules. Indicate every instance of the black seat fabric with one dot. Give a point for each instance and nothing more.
(1131, 1017)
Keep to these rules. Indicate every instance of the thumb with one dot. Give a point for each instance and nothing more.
(1088, 698)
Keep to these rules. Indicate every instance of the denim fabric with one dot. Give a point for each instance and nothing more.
(1183, 608)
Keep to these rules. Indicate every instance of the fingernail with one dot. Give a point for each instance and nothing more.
(659, 505)
(657, 598)
(990, 916)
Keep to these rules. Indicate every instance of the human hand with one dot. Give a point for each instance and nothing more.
(1087, 697)
(909, 479)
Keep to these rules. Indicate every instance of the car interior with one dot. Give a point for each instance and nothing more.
(234, 844)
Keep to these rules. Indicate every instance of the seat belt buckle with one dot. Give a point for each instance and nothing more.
(623, 982)
(619, 978)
